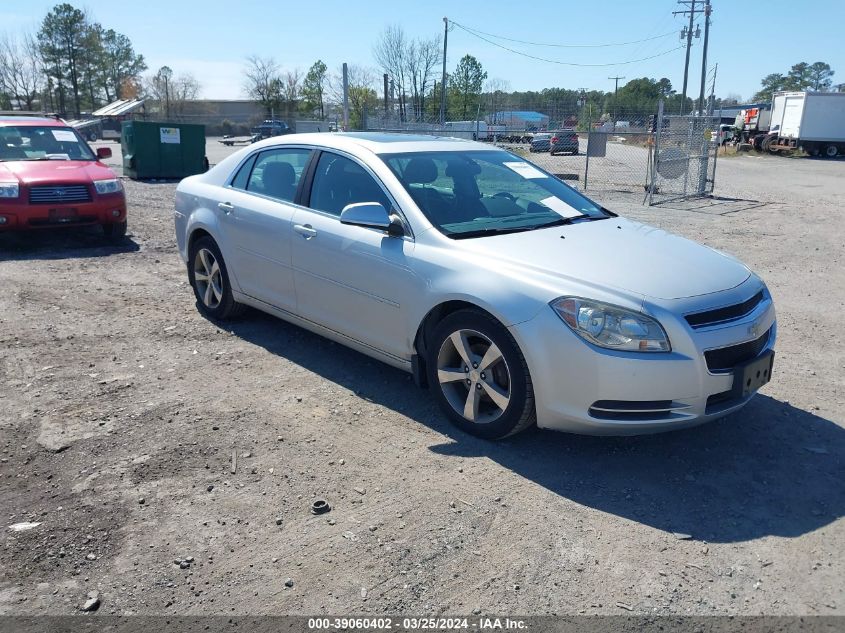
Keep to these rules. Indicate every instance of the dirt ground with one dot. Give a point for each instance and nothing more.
(121, 408)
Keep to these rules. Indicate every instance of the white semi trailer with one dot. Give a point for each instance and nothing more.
(811, 121)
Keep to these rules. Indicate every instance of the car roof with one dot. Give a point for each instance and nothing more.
(379, 142)
(23, 120)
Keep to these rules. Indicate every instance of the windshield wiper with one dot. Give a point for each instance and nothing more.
(489, 231)
(570, 220)
(559, 222)
(518, 229)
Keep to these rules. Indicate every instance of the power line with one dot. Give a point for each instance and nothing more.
(510, 39)
(556, 61)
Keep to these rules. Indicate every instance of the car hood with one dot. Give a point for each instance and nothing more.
(71, 172)
(618, 253)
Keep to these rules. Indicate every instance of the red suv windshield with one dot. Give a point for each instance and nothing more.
(34, 142)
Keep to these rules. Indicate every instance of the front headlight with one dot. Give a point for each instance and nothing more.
(611, 326)
(9, 190)
(112, 185)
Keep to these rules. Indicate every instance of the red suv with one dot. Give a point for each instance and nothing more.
(50, 177)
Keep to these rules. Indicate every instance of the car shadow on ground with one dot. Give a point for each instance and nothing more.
(769, 470)
(64, 243)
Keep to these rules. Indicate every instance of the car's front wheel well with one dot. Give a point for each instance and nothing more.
(195, 235)
(426, 329)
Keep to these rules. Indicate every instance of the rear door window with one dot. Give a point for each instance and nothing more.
(242, 177)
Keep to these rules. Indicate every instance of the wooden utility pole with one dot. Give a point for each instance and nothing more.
(687, 32)
(707, 10)
(615, 91)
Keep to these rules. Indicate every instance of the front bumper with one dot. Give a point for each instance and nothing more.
(20, 216)
(578, 386)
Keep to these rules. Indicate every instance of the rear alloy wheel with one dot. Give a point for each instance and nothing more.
(479, 376)
(831, 151)
(210, 280)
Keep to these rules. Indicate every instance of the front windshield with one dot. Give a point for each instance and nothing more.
(32, 142)
(476, 193)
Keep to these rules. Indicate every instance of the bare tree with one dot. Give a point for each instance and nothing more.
(362, 92)
(412, 66)
(292, 85)
(430, 57)
(172, 91)
(20, 69)
(391, 53)
(495, 89)
(263, 81)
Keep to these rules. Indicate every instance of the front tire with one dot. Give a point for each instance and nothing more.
(479, 376)
(831, 151)
(209, 278)
(116, 230)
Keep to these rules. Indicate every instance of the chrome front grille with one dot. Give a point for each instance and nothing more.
(724, 315)
(59, 194)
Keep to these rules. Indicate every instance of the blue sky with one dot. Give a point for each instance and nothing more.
(211, 38)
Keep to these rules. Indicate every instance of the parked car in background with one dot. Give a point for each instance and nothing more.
(50, 177)
(270, 128)
(564, 141)
(506, 291)
(541, 142)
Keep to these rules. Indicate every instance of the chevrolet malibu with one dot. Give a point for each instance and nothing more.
(512, 296)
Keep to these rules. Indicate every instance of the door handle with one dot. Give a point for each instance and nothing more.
(305, 230)
(226, 207)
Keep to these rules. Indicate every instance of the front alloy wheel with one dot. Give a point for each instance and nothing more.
(474, 376)
(209, 278)
(479, 375)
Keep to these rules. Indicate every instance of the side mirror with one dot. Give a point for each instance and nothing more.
(103, 152)
(371, 215)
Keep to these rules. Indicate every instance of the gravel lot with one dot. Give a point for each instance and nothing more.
(122, 408)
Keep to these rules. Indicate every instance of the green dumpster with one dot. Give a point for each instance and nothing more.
(162, 150)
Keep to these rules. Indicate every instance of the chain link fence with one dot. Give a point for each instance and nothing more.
(626, 153)
(684, 158)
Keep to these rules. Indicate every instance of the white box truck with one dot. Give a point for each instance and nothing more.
(811, 121)
(471, 130)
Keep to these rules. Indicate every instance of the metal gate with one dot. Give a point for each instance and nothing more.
(683, 161)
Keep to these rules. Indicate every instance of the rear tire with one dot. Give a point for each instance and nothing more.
(479, 375)
(766, 144)
(831, 151)
(209, 278)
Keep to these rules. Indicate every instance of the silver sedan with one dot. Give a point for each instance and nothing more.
(513, 297)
